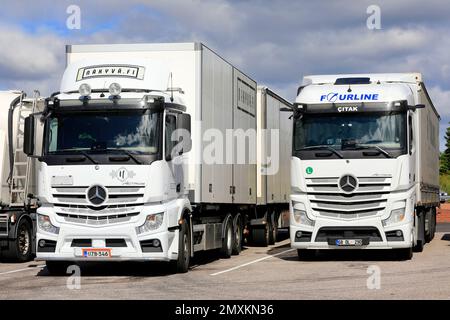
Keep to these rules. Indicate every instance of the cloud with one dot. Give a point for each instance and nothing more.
(275, 42)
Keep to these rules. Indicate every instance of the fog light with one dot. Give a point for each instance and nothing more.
(85, 90)
(156, 243)
(398, 233)
(298, 234)
(42, 243)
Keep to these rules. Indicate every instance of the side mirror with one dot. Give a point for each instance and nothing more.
(417, 106)
(28, 140)
(184, 124)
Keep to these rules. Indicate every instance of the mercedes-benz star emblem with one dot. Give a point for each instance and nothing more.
(348, 183)
(96, 195)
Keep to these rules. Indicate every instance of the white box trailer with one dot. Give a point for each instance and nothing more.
(365, 165)
(210, 201)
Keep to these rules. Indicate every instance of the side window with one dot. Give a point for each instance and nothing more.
(411, 134)
(171, 126)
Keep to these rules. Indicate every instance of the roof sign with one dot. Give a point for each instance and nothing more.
(103, 71)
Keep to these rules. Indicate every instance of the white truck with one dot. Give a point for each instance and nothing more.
(365, 164)
(17, 210)
(119, 178)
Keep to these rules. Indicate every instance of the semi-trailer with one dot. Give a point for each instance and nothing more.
(140, 157)
(17, 210)
(365, 164)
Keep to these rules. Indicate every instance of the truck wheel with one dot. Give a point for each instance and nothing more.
(260, 236)
(273, 228)
(227, 240)
(57, 268)
(20, 249)
(184, 249)
(237, 239)
(306, 254)
(421, 233)
(404, 254)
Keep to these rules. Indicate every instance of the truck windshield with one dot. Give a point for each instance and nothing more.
(131, 131)
(379, 131)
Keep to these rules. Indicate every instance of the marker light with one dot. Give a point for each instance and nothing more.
(85, 90)
(115, 89)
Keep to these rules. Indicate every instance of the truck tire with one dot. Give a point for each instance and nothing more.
(184, 249)
(57, 268)
(260, 236)
(238, 235)
(20, 249)
(421, 233)
(273, 228)
(404, 253)
(306, 254)
(227, 240)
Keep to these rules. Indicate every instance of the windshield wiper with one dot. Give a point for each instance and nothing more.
(381, 150)
(125, 152)
(323, 147)
(83, 153)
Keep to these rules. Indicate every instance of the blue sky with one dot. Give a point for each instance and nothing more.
(276, 42)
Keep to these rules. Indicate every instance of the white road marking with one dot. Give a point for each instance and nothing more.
(20, 270)
(252, 262)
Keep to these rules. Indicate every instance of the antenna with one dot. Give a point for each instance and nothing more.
(171, 87)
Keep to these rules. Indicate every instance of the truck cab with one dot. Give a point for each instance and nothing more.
(109, 168)
(364, 171)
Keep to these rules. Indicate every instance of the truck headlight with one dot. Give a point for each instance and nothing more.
(396, 216)
(152, 222)
(45, 224)
(300, 217)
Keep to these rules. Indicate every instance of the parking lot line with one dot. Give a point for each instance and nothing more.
(252, 262)
(20, 270)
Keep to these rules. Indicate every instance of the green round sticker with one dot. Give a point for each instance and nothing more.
(309, 170)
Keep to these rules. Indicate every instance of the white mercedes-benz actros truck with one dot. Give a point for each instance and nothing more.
(150, 152)
(365, 164)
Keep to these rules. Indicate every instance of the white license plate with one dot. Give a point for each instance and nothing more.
(349, 242)
(96, 253)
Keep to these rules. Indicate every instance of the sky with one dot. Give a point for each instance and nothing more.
(275, 42)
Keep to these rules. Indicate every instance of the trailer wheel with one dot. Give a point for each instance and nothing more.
(184, 249)
(20, 249)
(421, 233)
(238, 234)
(404, 253)
(57, 268)
(260, 236)
(227, 240)
(273, 228)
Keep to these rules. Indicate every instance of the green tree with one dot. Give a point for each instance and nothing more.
(445, 156)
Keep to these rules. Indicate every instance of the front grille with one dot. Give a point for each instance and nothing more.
(116, 243)
(368, 199)
(97, 220)
(3, 225)
(326, 233)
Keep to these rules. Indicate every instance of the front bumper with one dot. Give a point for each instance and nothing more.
(69, 243)
(366, 224)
